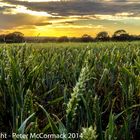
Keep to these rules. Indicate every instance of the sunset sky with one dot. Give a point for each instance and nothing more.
(69, 17)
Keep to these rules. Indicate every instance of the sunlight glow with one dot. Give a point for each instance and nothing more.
(118, 16)
(25, 10)
(2, 4)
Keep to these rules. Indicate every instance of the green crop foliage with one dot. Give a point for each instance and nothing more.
(81, 90)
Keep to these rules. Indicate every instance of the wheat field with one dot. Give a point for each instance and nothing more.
(87, 91)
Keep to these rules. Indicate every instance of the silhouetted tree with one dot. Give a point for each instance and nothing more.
(75, 39)
(2, 38)
(15, 37)
(102, 36)
(86, 38)
(121, 35)
(119, 32)
(63, 39)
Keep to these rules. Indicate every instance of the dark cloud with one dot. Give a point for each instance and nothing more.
(2, 9)
(68, 22)
(43, 24)
(82, 7)
(5, 8)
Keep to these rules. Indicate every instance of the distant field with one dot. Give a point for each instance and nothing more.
(78, 44)
(84, 91)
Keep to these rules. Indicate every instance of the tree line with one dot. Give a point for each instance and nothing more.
(119, 35)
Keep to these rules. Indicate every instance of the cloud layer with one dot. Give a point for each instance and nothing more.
(38, 14)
